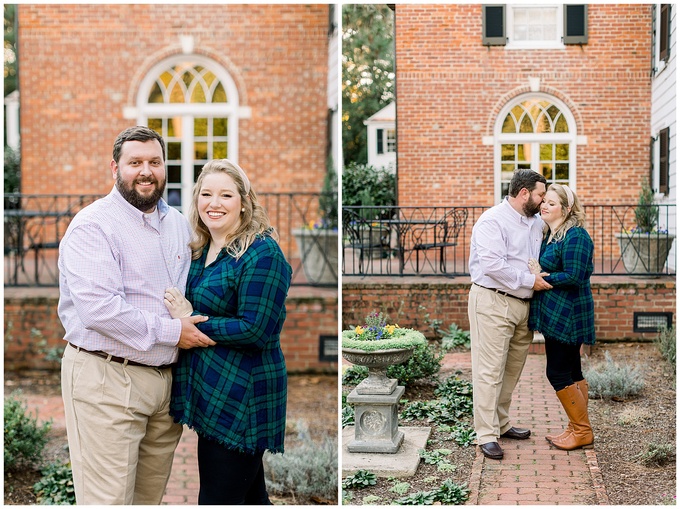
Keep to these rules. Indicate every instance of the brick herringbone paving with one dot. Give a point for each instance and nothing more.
(531, 471)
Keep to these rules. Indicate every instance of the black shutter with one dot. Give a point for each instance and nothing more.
(493, 25)
(381, 150)
(664, 32)
(575, 24)
(652, 141)
(663, 161)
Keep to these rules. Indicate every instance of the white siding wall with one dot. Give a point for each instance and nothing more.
(663, 115)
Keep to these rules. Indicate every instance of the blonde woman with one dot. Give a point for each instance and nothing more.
(565, 314)
(234, 393)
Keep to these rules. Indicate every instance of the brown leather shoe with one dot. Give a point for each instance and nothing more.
(517, 433)
(492, 450)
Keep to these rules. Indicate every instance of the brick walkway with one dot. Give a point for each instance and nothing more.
(183, 485)
(532, 472)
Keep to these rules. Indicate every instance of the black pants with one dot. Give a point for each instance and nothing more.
(229, 477)
(563, 363)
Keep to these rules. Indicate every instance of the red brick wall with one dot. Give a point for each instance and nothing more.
(308, 317)
(80, 65)
(450, 89)
(409, 303)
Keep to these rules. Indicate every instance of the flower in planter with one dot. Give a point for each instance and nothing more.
(376, 334)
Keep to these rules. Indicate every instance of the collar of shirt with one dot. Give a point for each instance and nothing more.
(163, 207)
(520, 218)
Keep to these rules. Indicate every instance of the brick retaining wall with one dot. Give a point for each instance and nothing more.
(413, 302)
(32, 328)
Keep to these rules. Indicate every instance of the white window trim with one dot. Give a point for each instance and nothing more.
(659, 65)
(559, 32)
(230, 110)
(500, 138)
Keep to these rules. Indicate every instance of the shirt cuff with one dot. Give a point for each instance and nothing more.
(171, 332)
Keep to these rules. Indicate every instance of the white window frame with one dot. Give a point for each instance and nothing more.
(390, 140)
(501, 138)
(188, 111)
(544, 44)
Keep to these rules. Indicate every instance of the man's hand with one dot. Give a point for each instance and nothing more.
(177, 304)
(540, 283)
(191, 337)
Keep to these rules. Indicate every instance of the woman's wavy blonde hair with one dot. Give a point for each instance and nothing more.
(574, 217)
(254, 219)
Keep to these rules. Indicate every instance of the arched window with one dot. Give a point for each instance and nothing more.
(193, 103)
(538, 132)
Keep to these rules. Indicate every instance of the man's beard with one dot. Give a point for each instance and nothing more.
(531, 209)
(135, 199)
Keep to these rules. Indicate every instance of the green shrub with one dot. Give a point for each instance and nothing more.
(24, 438)
(665, 342)
(354, 375)
(364, 185)
(657, 455)
(360, 479)
(424, 363)
(310, 469)
(450, 493)
(347, 412)
(419, 498)
(454, 338)
(613, 380)
(56, 486)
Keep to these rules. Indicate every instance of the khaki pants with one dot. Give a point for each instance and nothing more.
(499, 340)
(121, 436)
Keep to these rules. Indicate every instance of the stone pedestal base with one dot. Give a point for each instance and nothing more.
(376, 422)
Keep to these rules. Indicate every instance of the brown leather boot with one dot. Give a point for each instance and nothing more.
(576, 407)
(583, 387)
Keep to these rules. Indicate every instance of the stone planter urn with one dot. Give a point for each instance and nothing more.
(645, 253)
(319, 254)
(376, 399)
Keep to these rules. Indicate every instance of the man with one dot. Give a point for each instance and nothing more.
(503, 240)
(115, 261)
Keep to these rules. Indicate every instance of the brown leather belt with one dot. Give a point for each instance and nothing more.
(525, 299)
(120, 360)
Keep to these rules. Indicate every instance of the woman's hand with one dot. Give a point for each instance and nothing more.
(534, 266)
(178, 306)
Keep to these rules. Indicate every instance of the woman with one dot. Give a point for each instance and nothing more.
(232, 394)
(565, 314)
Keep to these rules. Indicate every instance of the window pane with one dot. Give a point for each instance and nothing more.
(219, 95)
(174, 174)
(174, 197)
(561, 125)
(198, 94)
(201, 127)
(546, 152)
(562, 152)
(156, 124)
(175, 127)
(177, 93)
(524, 166)
(507, 152)
(509, 125)
(197, 171)
(546, 170)
(156, 95)
(219, 127)
(524, 152)
(562, 171)
(526, 125)
(543, 124)
(201, 150)
(220, 150)
(174, 150)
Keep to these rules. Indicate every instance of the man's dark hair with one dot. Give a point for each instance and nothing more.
(137, 133)
(524, 178)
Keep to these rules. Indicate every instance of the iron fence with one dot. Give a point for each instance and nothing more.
(435, 241)
(35, 224)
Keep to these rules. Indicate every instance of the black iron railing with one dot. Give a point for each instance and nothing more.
(435, 241)
(35, 224)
